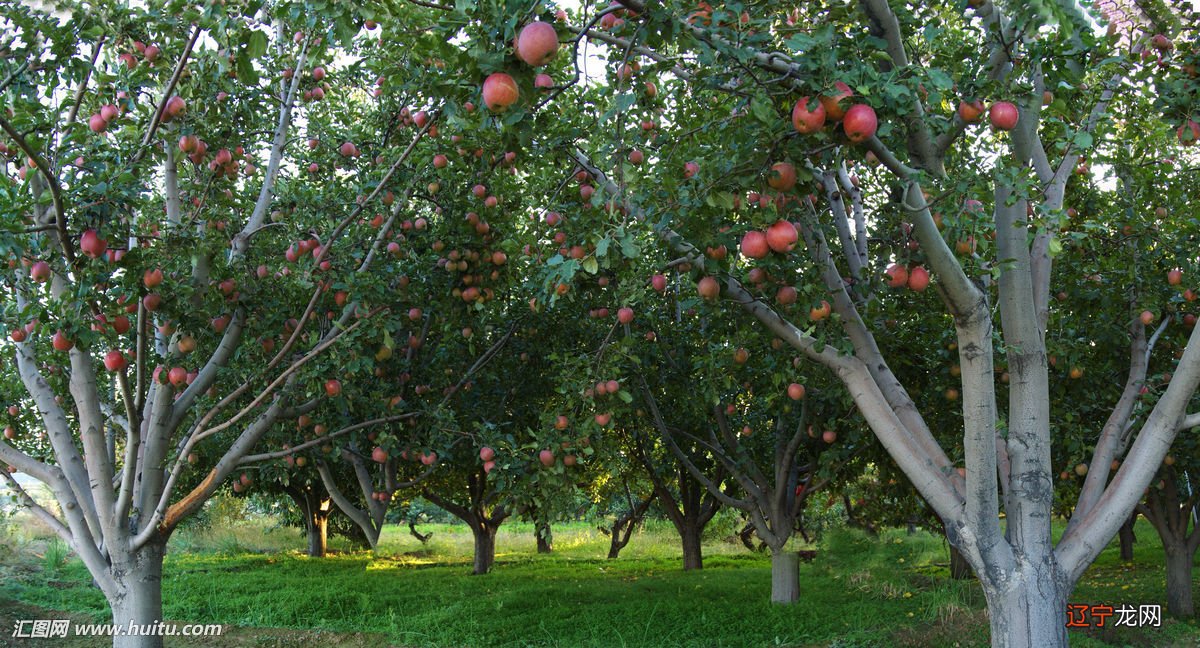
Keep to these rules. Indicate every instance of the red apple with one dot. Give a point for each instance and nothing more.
(781, 236)
(97, 124)
(625, 315)
(708, 288)
(333, 387)
(970, 111)
(897, 276)
(500, 91)
(1003, 116)
(486, 454)
(754, 245)
(829, 436)
(1147, 318)
(537, 43)
(918, 278)
(807, 121)
(782, 176)
(177, 376)
(658, 282)
(61, 342)
(379, 455)
(860, 123)
(91, 244)
(1174, 277)
(546, 457)
(114, 360)
(818, 313)
(795, 391)
(833, 103)
(174, 107)
(40, 272)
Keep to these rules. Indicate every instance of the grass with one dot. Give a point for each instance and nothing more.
(860, 591)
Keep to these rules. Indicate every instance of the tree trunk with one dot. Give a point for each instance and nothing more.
(1179, 580)
(317, 528)
(1028, 610)
(785, 576)
(137, 609)
(692, 558)
(544, 538)
(615, 545)
(960, 569)
(485, 548)
(1125, 533)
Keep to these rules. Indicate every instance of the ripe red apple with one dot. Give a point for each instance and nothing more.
(152, 278)
(546, 457)
(741, 355)
(379, 455)
(91, 244)
(348, 149)
(690, 169)
(636, 156)
(795, 391)
(1174, 277)
(61, 342)
(40, 272)
(318, 73)
(543, 81)
(177, 376)
(708, 288)
(658, 282)
(537, 43)
(114, 360)
(429, 459)
(786, 295)
(174, 107)
(1147, 317)
(333, 387)
(625, 315)
(829, 436)
(782, 176)
(918, 278)
(603, 419)
(561, 423)
(486, 454)
(832, 103)
(1003, 116)
(500, 91)
(807, 121)
(754, 245)
(440, 161)
(152, 301)
(18, 335)
(818, 313)
(782, 236)
(860, 123)
(897, 276)
(97, 124)
(970, 111)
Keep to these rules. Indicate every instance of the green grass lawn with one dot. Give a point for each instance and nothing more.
(860, 591)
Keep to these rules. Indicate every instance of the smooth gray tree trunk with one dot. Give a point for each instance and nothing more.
(785, 576)
(139, 601)
(1179, 580)
(1028, 608)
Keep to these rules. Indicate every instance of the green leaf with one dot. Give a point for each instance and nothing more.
(625, 396)
(256, 45)
(590, 265)
(602, 247)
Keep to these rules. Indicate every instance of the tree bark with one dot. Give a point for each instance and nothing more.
(317, 528)
(1127, 538)
(137, 607)
(785, 576)
(960, 569)
(1179, 580)
(544, 538)
(689, 534)
(1027, 609)
(485, 547)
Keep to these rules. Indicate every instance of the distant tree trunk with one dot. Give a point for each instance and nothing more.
(1179, 579)
(422, 538)
(545, 537)
(624, 525)
(1127, 538)
(960, 569)
(690, 536)
(317, 529)
(785, 576)
(485, 547)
